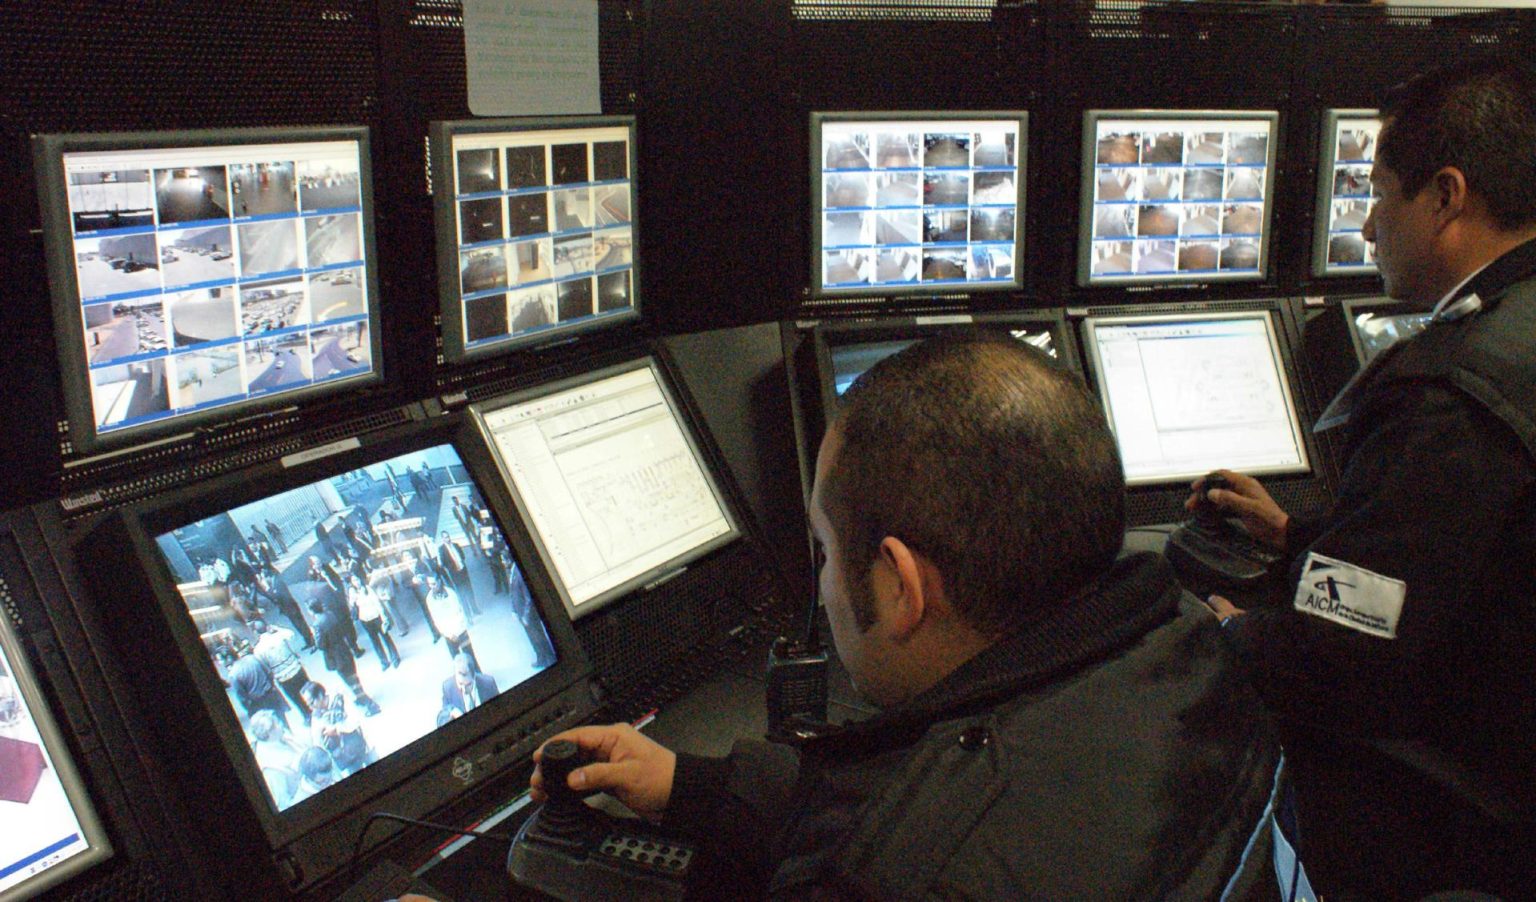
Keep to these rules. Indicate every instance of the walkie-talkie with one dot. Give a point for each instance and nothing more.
(797, 677)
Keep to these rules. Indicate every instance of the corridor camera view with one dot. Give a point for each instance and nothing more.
(1346, 195)
(913, 203)
(536, 215)
(350, 617)
(192, 264)
(1171, 197)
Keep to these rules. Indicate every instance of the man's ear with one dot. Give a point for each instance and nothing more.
(1450, 187)
(904, 587)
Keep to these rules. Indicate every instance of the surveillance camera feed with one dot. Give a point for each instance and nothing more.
(1380, 331)
(544, 229)
(913, 204)
(1188, 393)
(1177, 198)
(50, 828)
(210, 276)
(1352, 196)
(350, 617)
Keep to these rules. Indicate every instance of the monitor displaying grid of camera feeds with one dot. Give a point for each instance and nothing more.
(212, 276)
(612, 485)
(918, 204)
(51, 831)
(543, 223)
(1346, 196)
(1189, 393)
(1173, 196)
(350, 617)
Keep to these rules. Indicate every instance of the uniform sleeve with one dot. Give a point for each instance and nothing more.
(1433, 483)
(735, 806)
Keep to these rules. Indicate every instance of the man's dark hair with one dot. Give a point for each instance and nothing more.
(1478, 116)
(979, 453)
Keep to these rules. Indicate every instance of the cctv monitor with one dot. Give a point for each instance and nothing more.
(51, 830)
(1189, 393)
(1345, 195)
(200, 276)
(1176, 196)
(917, 203)
(1376, 324)
(846, 350)
(536, 230)
(611, 480)
(351, 629)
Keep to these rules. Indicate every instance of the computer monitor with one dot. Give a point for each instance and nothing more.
(536, 230)
(846, 349)
(1176, 196)
(384, 570)
(51, 831)
(199, 276)
(917, 203)
(1376, 324)
(1344, 194)
(1189, 393)
(610, 479)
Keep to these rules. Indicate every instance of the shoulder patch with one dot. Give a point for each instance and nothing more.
(1350, 596)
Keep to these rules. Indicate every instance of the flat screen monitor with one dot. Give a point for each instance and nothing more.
(536, 230)
(1172, 196)
(360, 631)
(198, 276)
(1378, 323)
(908, 203)
(1189, 393)
(50, 828)
(851, 349)
(1344, 193)
(611, 480)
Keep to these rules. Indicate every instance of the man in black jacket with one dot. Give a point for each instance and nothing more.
(1401, 665)
(1055, 723)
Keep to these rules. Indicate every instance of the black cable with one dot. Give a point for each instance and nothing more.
(357, 850)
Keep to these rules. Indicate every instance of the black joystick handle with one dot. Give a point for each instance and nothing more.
(565, 815)
(1205, 510)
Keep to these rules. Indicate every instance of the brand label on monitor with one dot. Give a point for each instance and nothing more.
(1351, 596)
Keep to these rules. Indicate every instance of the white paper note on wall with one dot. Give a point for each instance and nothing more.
(531, 57)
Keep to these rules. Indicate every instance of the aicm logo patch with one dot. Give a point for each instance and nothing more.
(1350, 596)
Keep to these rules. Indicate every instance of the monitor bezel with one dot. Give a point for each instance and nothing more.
(655, 575)
(1089, 163)
(444, 181)
(382, 778)
(98, 847)
(828, 334)
(64, 289)
(1323, 214)
(1095, 367)
(819, 289)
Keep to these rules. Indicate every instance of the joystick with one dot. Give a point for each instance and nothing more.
(1206, 511)
(569, 850)
(1212, 553)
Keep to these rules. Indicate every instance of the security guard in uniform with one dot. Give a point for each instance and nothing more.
(1404, 667)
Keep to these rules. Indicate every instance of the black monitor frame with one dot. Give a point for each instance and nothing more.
(1086, 216)
(660, 573)
(61, 762)
(1328, 166)
(1351, 308)
(445, 188)
(313, 839)
(52, 181)
(820, 120)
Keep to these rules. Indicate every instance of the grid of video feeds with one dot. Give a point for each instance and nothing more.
(546, 233)
(1177, 198)
(914, 204)
(208, 276)
(1351, 196)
